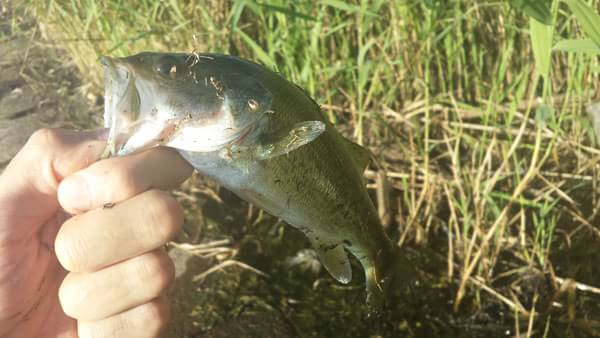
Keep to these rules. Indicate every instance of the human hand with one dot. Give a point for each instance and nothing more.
(116, 273)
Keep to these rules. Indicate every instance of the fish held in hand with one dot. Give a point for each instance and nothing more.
(263, 138)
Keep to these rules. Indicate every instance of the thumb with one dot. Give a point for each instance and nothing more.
(28, 184)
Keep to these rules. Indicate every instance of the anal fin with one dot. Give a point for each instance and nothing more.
(335, 260)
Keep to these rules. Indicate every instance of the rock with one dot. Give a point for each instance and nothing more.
(10, 78)
(14, 134)
(12, 50)
(18, 102)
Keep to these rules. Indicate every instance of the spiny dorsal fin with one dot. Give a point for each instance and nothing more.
(334, 259)
(359, 154)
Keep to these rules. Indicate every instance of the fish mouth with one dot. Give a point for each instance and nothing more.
(121, 103)
(141, 112)
(121, 94)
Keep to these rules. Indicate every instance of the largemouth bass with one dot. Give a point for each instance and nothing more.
(261, 137)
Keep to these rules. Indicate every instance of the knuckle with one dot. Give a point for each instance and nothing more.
(112, 181)
(165, 215)
(66, 299)
(45, 137)
(119, 179)
(156, 270)
(69, 252)
(88, 330)
(101, 329)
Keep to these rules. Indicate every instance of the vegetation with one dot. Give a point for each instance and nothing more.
(476, 114)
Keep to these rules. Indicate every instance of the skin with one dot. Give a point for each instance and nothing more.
(100, 272)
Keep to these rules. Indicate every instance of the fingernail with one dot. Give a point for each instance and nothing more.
(74, 194)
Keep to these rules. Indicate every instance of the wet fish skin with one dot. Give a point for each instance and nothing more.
(316, 187)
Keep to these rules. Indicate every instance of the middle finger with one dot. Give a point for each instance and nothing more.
(117, 288)
(105, 236)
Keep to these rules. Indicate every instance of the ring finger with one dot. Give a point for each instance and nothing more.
(97, 295)
(102, 237)
(144, 321)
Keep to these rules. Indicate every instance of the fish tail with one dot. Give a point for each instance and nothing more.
(375, 291)
(391, 272)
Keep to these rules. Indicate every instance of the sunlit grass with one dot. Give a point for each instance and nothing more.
(479, 141)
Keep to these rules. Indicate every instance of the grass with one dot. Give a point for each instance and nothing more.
(478, 126)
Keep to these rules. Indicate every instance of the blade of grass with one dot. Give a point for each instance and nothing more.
(577, 46)
(541, 42)
(587, 17)
(536, 9)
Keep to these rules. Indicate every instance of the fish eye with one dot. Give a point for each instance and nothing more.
(168, 66)
(253, 105)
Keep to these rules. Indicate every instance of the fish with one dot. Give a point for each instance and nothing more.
(263, 138)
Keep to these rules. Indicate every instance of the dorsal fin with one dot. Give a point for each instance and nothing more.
(359, 154)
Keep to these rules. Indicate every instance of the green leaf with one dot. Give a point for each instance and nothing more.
(236, 13)
(541, 42)
(287, 11)
(577, 46)
(341, 5)
(258, 51)
(536, 9)
(587, 17)
(432, 4)
(346, 7)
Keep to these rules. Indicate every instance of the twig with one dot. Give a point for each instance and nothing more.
(516, 307)
(383, 199)
(578, 286)
(223, 265)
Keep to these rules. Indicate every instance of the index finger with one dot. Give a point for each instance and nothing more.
(29, 182)
(119, 178)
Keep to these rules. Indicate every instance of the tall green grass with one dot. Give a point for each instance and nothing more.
(478, 122)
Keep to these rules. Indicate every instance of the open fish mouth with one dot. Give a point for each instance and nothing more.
(121, 103)
(139, 115)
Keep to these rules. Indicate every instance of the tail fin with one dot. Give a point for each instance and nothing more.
(376, 293)
(391, 273)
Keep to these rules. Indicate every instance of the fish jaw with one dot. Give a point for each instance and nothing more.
(126, 109)
(121, 103)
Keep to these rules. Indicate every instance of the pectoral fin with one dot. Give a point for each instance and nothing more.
(335, 260)
(301, 134)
